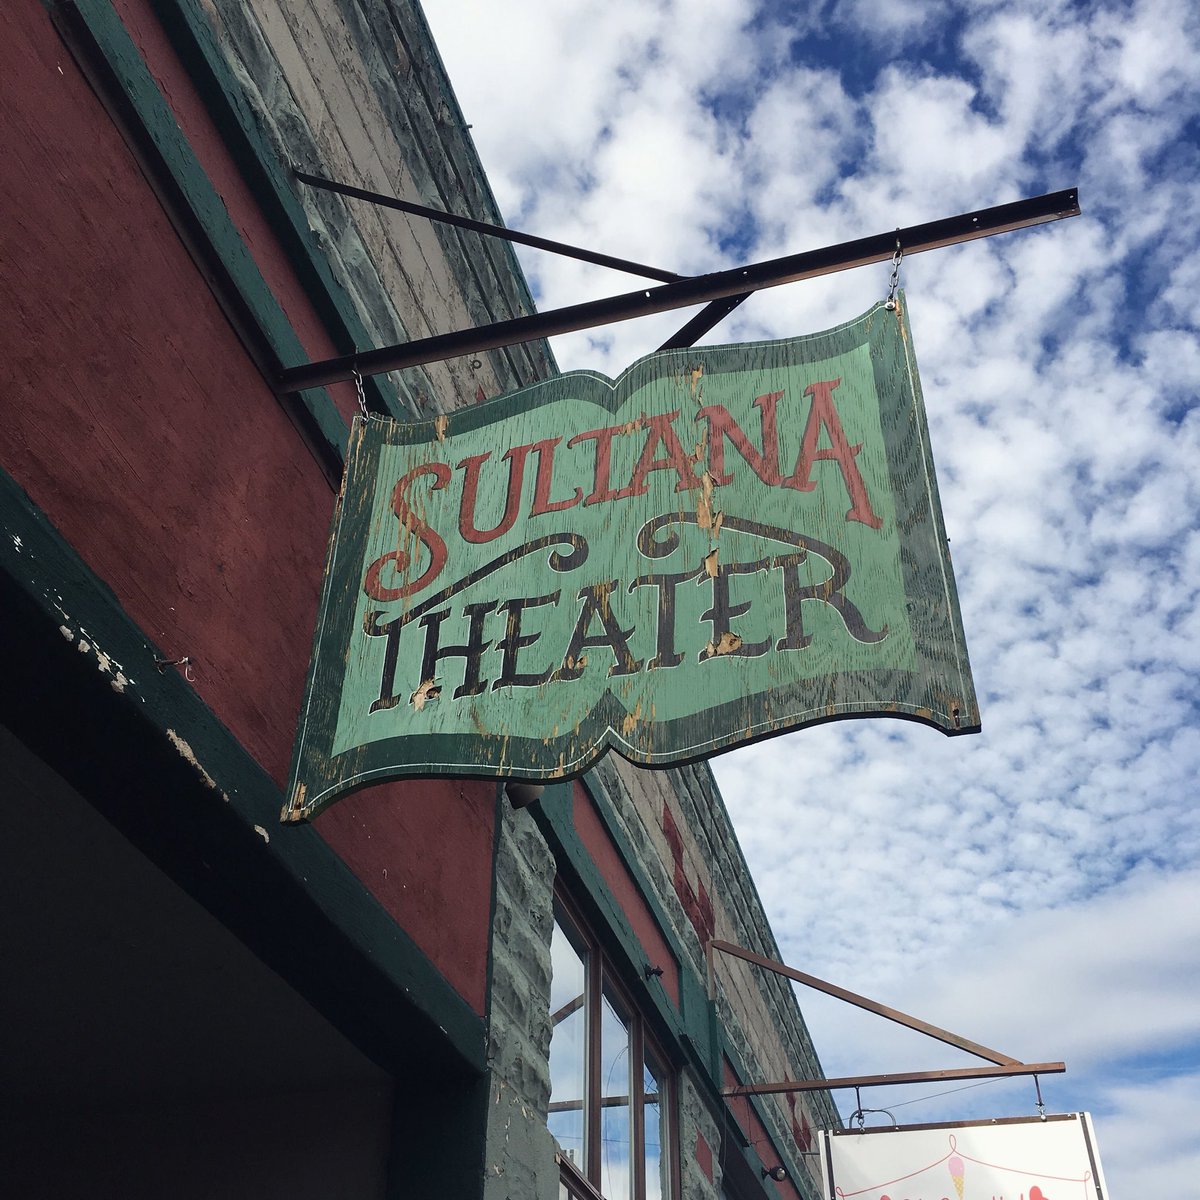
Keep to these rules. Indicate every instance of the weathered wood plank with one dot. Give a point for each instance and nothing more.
(338, 88)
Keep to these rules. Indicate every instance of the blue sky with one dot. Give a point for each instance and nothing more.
(1037, 887)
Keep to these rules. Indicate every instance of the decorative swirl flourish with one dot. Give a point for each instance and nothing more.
(653, 542)
(651, 545)
(572, 552)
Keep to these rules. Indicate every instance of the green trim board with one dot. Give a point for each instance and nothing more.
(790, 1155)
(194, 42)
(691, 1034)
(763, 940)
(83, 690)
(589, 889)
(585, 565)
(606, 810)
(111, 42)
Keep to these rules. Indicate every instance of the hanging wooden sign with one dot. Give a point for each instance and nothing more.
(727, 543)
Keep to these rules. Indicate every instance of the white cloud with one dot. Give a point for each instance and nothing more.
(1036, 884)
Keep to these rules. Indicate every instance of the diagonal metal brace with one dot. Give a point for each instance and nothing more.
(488, 229)
(892, 1014)
(686, 292)
(699, 325)
(1002, 1066)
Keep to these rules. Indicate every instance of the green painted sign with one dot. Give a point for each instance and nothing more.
(727, 543)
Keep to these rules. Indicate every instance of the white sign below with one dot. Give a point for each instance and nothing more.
(1023, 1158)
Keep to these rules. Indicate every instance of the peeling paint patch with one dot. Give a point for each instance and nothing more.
(728, 643)
(105, 664)
(262, 833)
(186, 753)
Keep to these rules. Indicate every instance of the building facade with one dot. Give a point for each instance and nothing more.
(429, 991)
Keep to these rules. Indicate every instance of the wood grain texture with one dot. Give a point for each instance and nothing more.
(355, 91)
(725, 544)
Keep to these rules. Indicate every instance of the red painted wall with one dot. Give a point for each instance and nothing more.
(135, 421)
(756, 1133)
(611, 866)
(260, 239)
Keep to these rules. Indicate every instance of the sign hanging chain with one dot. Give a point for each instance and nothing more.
(894, 282)
(360, 391)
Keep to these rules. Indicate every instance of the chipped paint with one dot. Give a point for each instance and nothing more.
(762, 532)
(295, 806)
(105, 663)
(704, 508)
(262, 833)
(727, 643)
(185, 752)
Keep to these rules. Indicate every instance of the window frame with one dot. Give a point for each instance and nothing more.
(601, 978)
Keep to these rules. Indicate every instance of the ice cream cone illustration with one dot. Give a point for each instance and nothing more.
(956, 1173)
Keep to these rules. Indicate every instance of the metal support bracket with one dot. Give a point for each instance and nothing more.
(1002, 1064)
(719, 286)
(487, 229)
(699, 325)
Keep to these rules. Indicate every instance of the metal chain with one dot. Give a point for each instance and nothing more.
(894, 282)
(361, 392)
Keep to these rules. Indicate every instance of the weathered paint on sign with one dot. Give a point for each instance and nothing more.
(727, 543)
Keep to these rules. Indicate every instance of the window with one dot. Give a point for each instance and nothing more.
(610, 1100)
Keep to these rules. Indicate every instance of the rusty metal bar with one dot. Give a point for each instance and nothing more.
(892, 1014)
(696, 328)
(710, 315)
(484, 227)
(854, 1081)
(879, 247)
